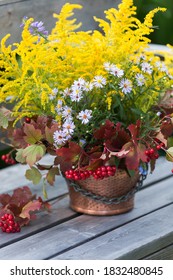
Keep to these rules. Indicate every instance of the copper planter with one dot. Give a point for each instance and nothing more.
(109, 196)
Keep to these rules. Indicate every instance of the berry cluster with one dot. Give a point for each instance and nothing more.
(152, 153)
(8, 159)
(77, 175)
(104, 172)
(100, 173)
(8, 224)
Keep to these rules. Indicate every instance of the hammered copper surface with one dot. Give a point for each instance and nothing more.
(114, 186)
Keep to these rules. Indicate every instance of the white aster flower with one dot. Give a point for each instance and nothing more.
(66, 92)
(85, 116)
(88, 86)
(53, 94)
(60, 137)
(76, 94)
(78, 83)
(99, 81)
(107, 66)
(140, 79)
(117, 72)
(146, 67)
(59, 106)
(125, 85)
(66, 111)
(69, 127)
(161, 67)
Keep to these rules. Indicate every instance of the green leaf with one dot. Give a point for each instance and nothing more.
(169, 154)
(51, 175)
(33, 175)
(19, 156)
(19, 60)
(34, 153)
(44, 190)
(5, 117)
(170, 142)
(33, 135)
(131, 172)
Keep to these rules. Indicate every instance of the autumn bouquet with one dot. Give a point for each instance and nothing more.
(89, 99)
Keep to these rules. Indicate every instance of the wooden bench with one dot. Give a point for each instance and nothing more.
(146, 232)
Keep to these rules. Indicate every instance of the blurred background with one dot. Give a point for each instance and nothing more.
(13, 11)
(163, 21)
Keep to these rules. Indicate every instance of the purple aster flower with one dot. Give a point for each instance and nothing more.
(23, 21)
(37, 28)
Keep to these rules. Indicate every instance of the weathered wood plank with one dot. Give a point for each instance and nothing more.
(131, 241)
(162, 170)
(9, 2)
(60, 212)
(84, 228)
(14, 176)
(165, 254)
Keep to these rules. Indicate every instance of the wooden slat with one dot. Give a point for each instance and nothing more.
(161, 171)
(9, 2)
(84, 228)
(131, 241)
(165, 254)
(60, 212)
(14, 176)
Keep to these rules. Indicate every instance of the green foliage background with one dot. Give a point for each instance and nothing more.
(164, 21)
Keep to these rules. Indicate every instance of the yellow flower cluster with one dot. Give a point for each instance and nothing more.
(31, 69)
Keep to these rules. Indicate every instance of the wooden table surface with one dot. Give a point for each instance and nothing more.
(146, 232)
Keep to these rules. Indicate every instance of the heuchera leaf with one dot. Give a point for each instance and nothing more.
(33, 153)
(72, 153)
(132, 154)
(33, 175)
(18, 138)
(166, 129)
(134, 131)
(49, 132)
(121, 154)
(22, 204)
(33, 135)
(51, 175)
(118, 139)
(4, 199)
(21, 196)
(31, 206)
(136, 153)
(132, 159)
(105, 131)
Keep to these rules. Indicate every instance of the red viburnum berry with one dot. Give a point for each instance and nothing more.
(8, 223)
(100, 173)
(27, 120)
(3, 157)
